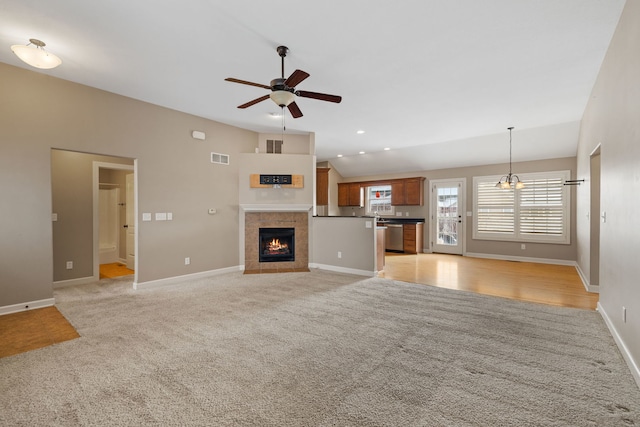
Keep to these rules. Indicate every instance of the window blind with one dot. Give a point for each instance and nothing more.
(539, 212)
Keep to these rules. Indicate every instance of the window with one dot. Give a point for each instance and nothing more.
(379, 200)
(539, 212)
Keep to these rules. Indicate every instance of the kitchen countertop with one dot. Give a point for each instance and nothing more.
(380, 220)
(399, 220)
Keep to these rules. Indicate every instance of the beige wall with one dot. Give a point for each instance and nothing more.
(39, 112)
(291, 143)
(350, 237)
(564, 253)
(612, 119)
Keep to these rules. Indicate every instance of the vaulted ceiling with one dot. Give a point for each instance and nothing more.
(437, 82)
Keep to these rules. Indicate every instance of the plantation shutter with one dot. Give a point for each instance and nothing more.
(539, 212)
(495, 210)
(542, 207)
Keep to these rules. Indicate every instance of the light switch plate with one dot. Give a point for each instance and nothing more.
(161, 216)
(146, 216)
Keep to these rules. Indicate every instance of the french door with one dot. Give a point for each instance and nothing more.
(447, 216)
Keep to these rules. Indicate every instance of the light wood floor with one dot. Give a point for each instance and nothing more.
(558, 285)
(32, 329)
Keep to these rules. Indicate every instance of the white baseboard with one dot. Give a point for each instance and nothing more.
(523, 259)
(179, 279)
(633, 366)
(73, 282)
(585, 281)
(342, 269)
(30, 305)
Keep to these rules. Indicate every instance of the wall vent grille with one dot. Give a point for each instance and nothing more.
(221, 159)
(274, 146)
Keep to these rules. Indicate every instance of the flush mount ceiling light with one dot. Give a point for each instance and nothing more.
(510, 180)
(35, 55)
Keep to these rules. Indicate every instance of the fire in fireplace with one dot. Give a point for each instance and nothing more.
(276, 244)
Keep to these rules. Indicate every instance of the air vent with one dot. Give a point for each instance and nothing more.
(221, 159)
(274, 146)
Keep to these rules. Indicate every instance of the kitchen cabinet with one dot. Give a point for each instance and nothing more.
(412, 238)
(322, 186)
(407, 192)
(350, 194)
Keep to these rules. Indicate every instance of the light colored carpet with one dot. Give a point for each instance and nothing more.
(317, 349)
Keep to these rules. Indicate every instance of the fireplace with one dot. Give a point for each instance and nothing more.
(276, 244)
(256, 222)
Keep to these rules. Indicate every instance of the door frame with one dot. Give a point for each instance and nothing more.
(462, 202)
(595, 159)
(96, 212)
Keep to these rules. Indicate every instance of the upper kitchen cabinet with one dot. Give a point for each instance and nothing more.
(322, 186)
(350, 194)
(407, 192)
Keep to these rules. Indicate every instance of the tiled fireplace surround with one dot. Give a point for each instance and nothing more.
(253, 221)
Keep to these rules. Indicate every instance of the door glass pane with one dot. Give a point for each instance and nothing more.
(447, 216)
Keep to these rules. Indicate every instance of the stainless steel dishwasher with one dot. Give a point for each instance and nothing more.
(394, 237)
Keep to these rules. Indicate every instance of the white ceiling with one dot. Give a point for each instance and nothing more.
(437, 81)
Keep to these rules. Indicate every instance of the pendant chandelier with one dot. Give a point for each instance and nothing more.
(510, 180)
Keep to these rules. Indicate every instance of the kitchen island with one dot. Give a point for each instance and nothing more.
(347, 244)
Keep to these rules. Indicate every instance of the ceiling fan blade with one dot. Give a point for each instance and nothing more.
(244, 82)
(320, 96)
(255, 101)
(296, 77)
(294, 110)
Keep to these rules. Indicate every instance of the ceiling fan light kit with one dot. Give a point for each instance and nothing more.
(35, 55)
(282, 98)
(283, 90)
(510, 180)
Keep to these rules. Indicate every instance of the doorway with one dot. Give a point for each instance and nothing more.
(446, 219)
(113, 219)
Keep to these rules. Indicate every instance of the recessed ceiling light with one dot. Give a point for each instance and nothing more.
(387, 149)
(362, 152)
(275, 115)
(339, 155)
(360, 132)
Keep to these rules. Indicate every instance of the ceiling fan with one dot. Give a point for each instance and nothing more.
(283, 91)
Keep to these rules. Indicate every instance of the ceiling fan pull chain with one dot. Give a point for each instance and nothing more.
(283, 125)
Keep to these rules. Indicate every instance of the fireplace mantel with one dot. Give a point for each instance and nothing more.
(299, 207)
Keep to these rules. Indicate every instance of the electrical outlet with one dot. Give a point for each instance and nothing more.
(187, 261)
(523, 246)
(69, 265)
(339, 254)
